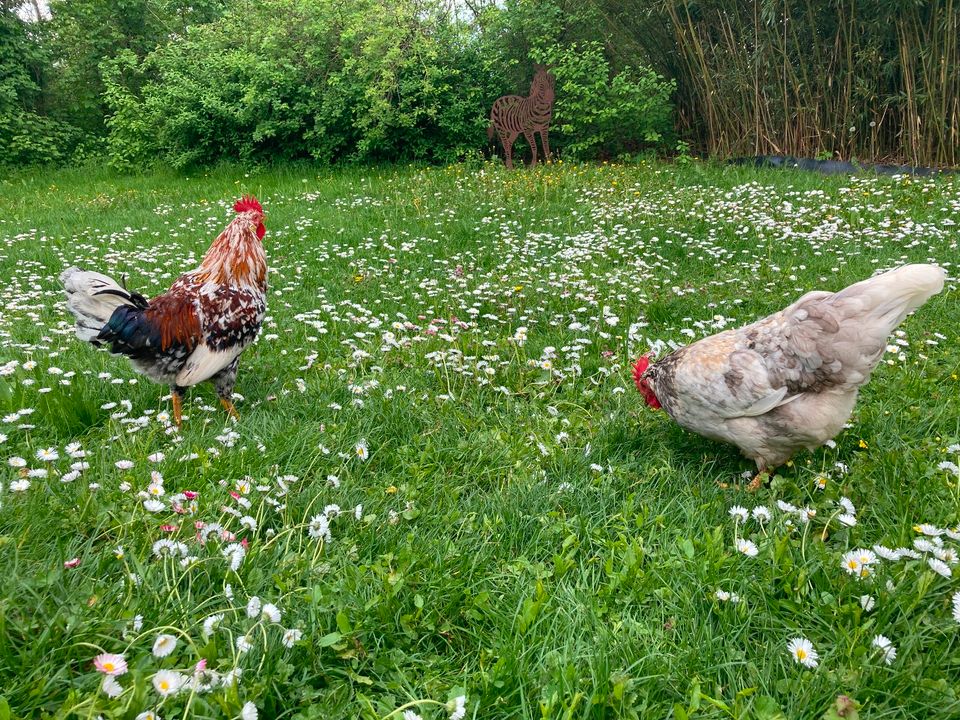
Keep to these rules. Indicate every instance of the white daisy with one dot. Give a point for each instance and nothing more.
(939, 567)
(48, 454)
(164, 645)
(761, 514)
(110, 687)
(851, 563)
(361, 450)
(886, 553)
(803, 653)
(923, 545)
(230, 678)
(319, 528)
(458, 707)
(291, 636)
(234, 553)
(210, 624)
(167, 682)
(888, 650)
(786, 507)
(739, 513)
(271, 612)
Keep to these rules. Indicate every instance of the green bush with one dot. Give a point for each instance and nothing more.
(284, 79)
(601, 113)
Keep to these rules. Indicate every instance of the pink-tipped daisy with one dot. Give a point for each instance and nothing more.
(110, 664)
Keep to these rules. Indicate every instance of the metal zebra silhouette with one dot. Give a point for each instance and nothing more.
(513, 114)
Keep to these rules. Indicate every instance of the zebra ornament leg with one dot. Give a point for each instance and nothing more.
(532, 141)
(507, 140)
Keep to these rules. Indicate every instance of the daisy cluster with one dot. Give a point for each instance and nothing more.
(877, 578)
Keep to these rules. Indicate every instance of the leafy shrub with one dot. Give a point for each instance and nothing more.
(305, 78)
(601, 113)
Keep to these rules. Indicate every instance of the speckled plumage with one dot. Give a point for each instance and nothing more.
(195, 331)
(790, 380)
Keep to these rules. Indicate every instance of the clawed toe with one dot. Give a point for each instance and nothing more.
(757, 481)
(230, 408)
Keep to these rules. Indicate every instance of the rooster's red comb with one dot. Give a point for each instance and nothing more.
(247, 203)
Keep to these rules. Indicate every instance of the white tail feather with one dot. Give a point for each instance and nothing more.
(893, 295)
(92, 297)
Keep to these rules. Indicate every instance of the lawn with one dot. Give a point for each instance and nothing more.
(443, 484)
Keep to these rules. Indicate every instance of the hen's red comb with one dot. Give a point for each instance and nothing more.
(246, 203)
(639, 368)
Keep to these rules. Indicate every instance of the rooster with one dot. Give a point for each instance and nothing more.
(789, 381)
(196, 330)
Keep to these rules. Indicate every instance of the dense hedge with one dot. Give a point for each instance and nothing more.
(333, 81)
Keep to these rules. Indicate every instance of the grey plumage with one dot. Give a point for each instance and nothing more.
(790, 380)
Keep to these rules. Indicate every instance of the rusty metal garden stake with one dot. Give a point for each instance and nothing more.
(513, 114)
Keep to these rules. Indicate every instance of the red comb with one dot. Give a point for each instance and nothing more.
(640, 367)
(246, 203)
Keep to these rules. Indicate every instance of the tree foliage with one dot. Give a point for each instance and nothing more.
(601, 113)
(27, 134)
(186, 84)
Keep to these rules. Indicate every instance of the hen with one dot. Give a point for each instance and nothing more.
(196, 330)
(789, 381)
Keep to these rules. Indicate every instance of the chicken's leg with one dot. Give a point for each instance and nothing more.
(177, 407)
(224, 381)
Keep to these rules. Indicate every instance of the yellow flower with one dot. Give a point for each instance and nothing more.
(392, 490)
(863, 444)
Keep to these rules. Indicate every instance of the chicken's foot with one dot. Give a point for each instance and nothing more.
(230, 408)
(758, 480)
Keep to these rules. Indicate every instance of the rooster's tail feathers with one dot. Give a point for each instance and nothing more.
(92, 298)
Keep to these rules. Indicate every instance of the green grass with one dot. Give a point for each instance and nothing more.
(531, 537)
